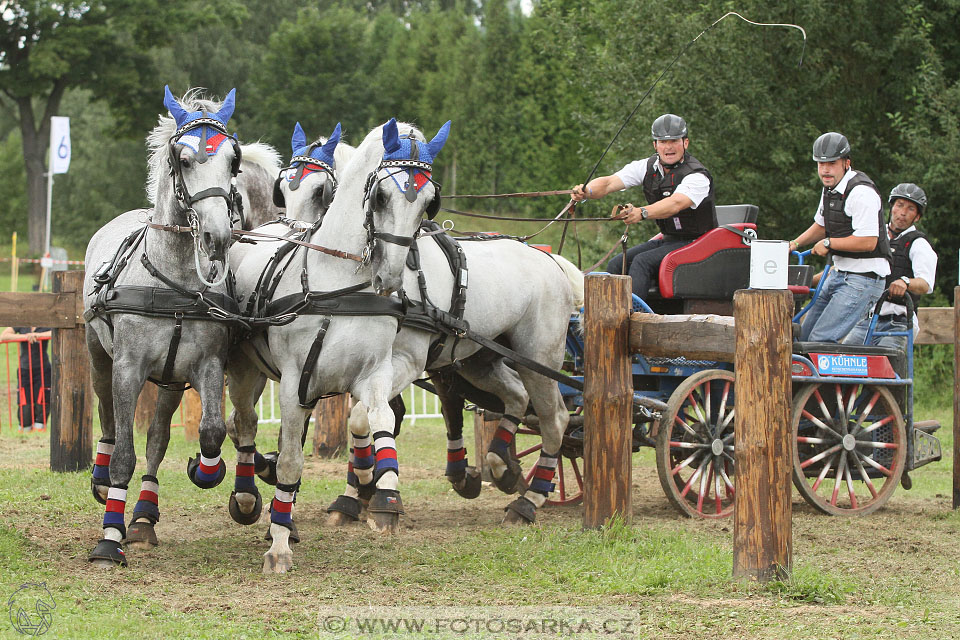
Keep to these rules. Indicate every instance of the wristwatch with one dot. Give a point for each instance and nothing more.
(826, 243)
(643, 213)
(906, 280)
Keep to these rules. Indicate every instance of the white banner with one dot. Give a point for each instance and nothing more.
(59, 144)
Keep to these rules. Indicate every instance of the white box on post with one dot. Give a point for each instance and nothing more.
(769, 262)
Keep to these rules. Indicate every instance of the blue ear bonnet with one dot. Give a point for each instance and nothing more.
(396, 147)
(192, 125)
(314, 153)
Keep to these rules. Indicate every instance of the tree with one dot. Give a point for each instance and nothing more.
(101, 45)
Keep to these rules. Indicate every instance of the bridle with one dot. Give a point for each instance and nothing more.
(303, 164)
(186, 200)
(413, 167)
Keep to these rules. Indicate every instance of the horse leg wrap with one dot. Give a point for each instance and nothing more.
(243, 483)
(265, 466)
(511, 480)
(101, 468)
(148, 504)
(543, 473)
(113, 514)
(456, 459)
(281, 509)
(386, 458)
(346, 505)
(206, 472)
(386, 501)
(363, 467)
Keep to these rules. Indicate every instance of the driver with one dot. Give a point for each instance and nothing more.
(679, 193)
(913, 270)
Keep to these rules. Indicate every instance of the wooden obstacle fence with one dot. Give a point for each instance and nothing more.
(71, 392)
(757, 339)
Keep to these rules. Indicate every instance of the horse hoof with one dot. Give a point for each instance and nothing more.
(108, 554)
(511, 480)
(343, 510)
(469, 484)
(277, 562)
(294, 534)
(99, 491)
(520, 512)
(193, 468)
(141, 535)
(265, 466)
(245, 513)
(383, 522)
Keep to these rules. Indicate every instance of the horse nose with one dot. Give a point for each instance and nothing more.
(214, 245)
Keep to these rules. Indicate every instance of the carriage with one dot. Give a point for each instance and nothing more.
(852, 416)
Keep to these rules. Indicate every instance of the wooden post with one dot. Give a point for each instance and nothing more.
(484, 426)
(956, 397)
(146, 407)
(607, 401)
(192, 411)
(71, 416)
(762, 526)
(330, 430)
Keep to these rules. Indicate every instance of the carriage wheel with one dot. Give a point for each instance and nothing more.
(851, 447)
(695, 445)
(568, 481)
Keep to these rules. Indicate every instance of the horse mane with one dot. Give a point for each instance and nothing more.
(158, 138)
(261, 155)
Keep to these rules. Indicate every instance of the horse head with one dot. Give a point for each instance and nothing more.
(202, 173)
(306, 187)
(397, 195)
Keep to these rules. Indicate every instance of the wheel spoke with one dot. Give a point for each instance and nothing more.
(728, 484)
(676, 444)
(822, 425)
(866, 411)
(876, 425)
(836, 482)
(698, 410)
(823, 474)
(820, 456)
(693, 478)
(849, 480)
(532, 449)
(873, 463)
(866, 478)
(705, 480)
(690, 430)
(809, 440)
(685, 463)
(707, 394)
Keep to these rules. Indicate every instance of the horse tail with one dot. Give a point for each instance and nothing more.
(575, 276)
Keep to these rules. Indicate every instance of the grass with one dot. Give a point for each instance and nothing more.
(889, 573)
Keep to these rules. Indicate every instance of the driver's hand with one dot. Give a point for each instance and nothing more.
(898, 288)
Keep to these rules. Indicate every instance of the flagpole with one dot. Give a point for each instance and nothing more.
(49, 199)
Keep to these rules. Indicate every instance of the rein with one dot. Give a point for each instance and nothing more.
(309, 245)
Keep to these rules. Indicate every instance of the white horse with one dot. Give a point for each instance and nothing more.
(315, 167)
(339, 298)
(534, 322)
(153, 305)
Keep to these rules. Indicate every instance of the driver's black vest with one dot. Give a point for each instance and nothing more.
(689, 223)
(839, 225)
(901, 265)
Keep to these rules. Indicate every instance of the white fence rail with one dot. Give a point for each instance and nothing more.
(421, 404)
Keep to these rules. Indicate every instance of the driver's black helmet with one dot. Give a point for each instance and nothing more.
(911, 192)
(669, 127)
(830, 146)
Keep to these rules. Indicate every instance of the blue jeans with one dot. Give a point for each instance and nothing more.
(884, 323)
(844, 299)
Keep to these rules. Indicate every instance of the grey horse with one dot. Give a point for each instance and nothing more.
(314, 169)
(340, 292)
(154, 308)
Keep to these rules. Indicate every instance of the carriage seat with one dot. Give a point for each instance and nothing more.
(714, 265)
